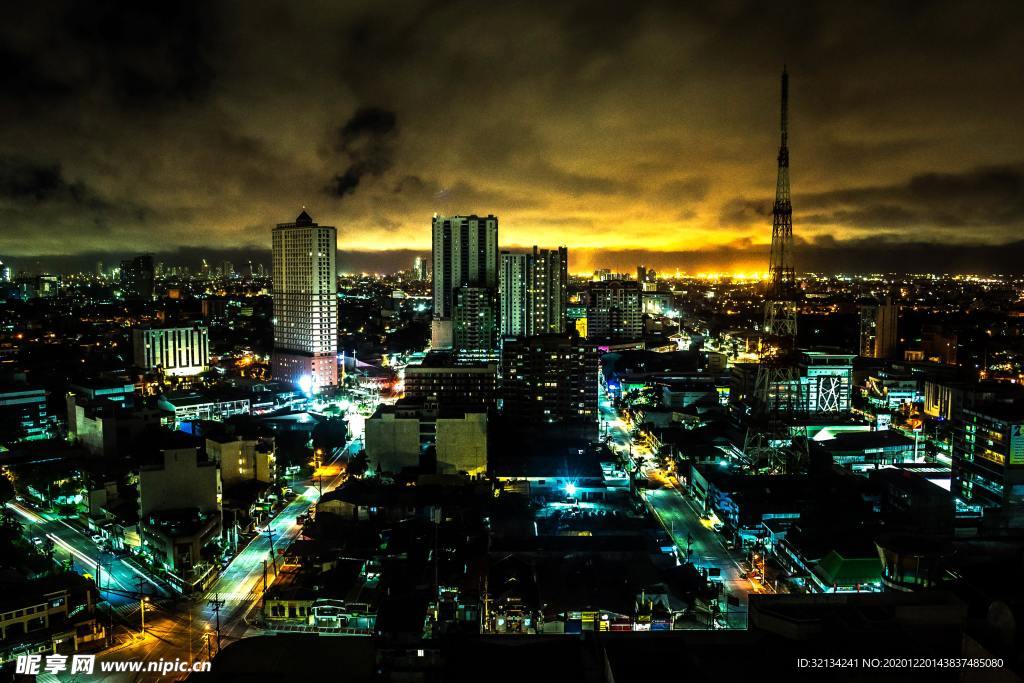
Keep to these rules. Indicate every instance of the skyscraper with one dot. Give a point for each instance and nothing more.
(419, 269)
(534, 292)
(878, 328)
(137, 278)
(305, 303)
(465, 252)
(512, 287)
(549, 290)
(885, 328)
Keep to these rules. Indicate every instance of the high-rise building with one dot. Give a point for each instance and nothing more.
(878, 328)
(137, 276)
(886, 318)
(465, 252)
(550, 379)
(512, 291)
(175, 351)
(615, 310)
(305, 304)
(475, 324)
(533, 289)
(549, 291)
(988, 461)
(419, 269)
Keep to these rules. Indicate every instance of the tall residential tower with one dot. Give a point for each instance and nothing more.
(305, 304)
(534, 292)
(465, 254)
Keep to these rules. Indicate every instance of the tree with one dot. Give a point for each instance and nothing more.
(358, 465)
(6, 489)
(330, 434)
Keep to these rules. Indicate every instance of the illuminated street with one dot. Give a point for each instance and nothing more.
(117, 576)
(170, 631)
(707, 548)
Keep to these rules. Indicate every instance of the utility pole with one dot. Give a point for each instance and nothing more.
(487, 601)
(216, 604)
(273, 555)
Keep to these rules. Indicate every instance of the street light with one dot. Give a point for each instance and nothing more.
(142, 612)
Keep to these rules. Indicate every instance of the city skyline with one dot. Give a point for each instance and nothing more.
(444, 340)
(909, 167)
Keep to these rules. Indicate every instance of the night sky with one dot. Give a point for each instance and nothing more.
(631, 132)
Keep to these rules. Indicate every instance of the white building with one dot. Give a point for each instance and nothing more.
(534, 292)
(465, 253)
(305, 304)
(175, 351)
(512, 287)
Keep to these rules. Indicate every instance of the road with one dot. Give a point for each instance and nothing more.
(191, 633)
(706, 546)
(119, 580)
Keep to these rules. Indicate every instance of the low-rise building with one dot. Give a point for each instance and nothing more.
(104, 427)
(53, 614)
(192, 406)
(24, 415)
(180, 509)
(860, 450)
(398, 436)
(243, 453)
(174, 351)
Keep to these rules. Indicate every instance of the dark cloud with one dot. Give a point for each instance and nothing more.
(26, 182)
(742, 211)
(827, 255)
(367, 141)
(981, 197)
(133, 54)
(683, 190)
(648, 124)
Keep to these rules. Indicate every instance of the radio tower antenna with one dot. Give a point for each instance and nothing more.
(776, 388)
